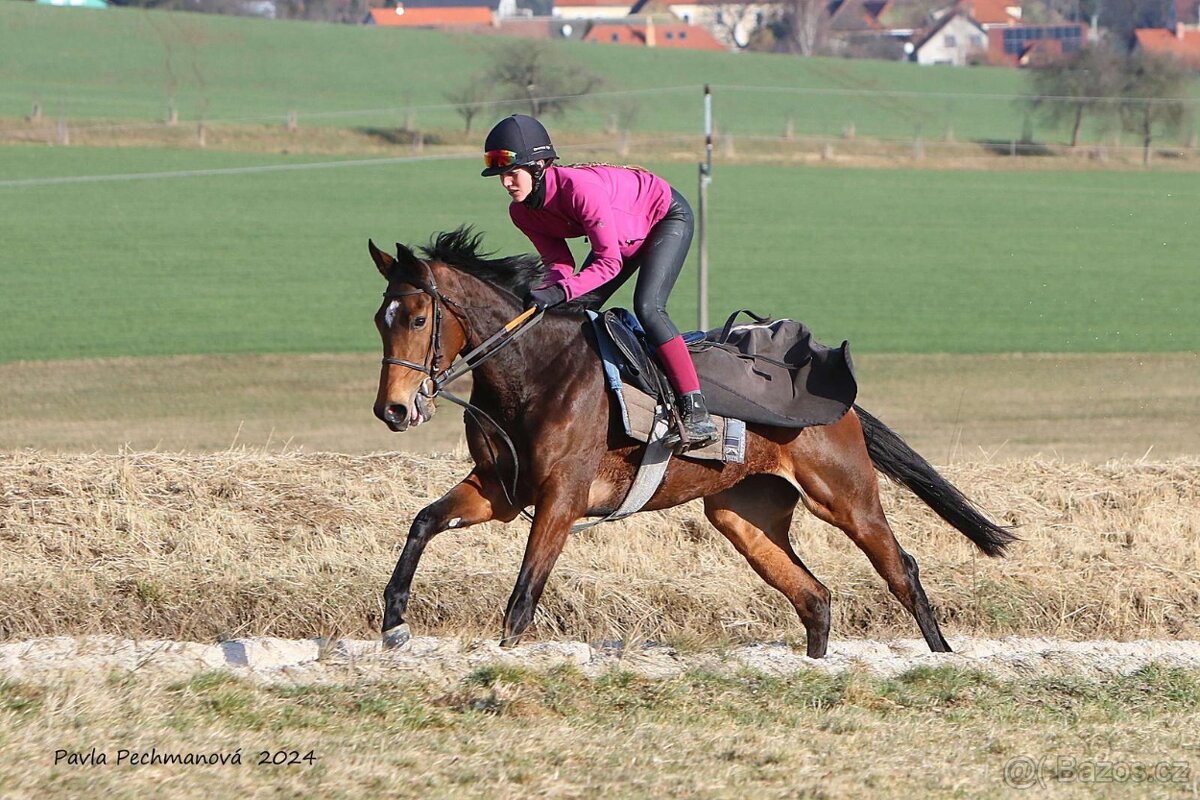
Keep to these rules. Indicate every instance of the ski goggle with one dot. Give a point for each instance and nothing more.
(499, 159)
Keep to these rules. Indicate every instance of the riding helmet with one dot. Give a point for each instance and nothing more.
(516, 141)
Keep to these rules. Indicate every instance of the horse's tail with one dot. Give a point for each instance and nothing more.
(899, 462)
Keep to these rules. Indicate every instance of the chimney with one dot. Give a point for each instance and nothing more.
(650, 31)
(1179, 29)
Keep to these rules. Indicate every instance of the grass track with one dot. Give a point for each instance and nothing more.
(896, 261)
(509, 732)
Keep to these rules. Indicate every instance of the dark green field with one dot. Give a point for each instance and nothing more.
(893, 260)
(125, 64)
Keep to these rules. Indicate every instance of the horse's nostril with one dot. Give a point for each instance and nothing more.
(395, 413)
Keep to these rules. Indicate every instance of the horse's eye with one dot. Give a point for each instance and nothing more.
(418, 322)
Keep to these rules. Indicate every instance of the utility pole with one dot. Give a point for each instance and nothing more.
(705, 180)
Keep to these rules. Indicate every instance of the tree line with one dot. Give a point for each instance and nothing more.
(1142, 93)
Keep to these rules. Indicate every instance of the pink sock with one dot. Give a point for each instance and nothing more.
(677, 362)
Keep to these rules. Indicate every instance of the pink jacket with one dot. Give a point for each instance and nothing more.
(614, 207)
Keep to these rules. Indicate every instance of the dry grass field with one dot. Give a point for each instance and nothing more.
(935, 152)
(949, 407)
(246, 542)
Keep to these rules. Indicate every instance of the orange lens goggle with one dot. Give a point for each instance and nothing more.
(499, 159)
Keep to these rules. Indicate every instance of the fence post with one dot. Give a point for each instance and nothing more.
(172, 115)
(623, 144)
(789, 130)
(705, 180)
(36, 114)
(292, 121)
(200, 134)
(418, 142)
(849, 131)
(64, 135)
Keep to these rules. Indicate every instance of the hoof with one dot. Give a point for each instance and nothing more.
(396, 637)
(509, 642)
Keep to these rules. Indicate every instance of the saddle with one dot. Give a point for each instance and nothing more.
(771, 372)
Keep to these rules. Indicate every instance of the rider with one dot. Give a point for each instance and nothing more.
(633, 220)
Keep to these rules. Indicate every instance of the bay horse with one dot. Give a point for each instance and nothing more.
(573, 460)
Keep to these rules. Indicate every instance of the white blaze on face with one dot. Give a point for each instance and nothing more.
(389, 316)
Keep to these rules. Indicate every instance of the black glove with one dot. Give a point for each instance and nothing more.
(546, 297)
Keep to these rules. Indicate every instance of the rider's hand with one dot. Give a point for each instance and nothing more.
(546, 297)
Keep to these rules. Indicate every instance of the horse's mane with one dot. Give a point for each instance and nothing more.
(460, 250)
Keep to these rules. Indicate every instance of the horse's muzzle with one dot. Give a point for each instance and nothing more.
(399, 417)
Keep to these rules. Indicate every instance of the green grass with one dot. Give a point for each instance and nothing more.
(932, 732)
(126, 63)
(895, 261)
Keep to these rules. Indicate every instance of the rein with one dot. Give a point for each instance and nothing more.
(512, 330)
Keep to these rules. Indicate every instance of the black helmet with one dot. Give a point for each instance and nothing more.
(515, 141)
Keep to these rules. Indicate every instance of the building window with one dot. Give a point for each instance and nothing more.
(670, 35)
(687, 18)
(616, 37)
(950, 42)
(720, 17)
(683, 34)
(977, 41)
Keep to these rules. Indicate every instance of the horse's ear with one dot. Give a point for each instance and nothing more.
(405, 256)
(383, 262)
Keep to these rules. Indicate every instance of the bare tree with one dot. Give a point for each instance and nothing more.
(1154, 96)
(806, 25)
(1068, 89)
(736, 23)
(536, 73)
(471, 99)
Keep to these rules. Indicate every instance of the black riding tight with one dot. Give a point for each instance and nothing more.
(657, 264)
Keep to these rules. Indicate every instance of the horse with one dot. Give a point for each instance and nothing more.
(570, 459)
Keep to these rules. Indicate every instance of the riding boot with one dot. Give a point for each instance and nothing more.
(697, 424)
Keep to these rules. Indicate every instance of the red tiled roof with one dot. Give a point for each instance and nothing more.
(990, 12)
(591, 3)
(670, 35)
(1186, 45)
(432, 17)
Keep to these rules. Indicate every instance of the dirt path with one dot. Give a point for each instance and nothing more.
(271, 660)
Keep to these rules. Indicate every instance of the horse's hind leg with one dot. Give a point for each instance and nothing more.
(755, 516)
(832, 466)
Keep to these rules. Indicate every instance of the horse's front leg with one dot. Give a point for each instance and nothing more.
(558, 507)
(471, 502)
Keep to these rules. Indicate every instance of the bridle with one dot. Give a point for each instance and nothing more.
(436, 382)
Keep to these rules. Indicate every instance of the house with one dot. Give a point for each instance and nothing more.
(591, 9)
(74, 3)
(1184, 42)
(651, 32)
(1187, 14)
(857, 29)
(1030, 45)
(956, 39)
(441, 13)
(732, 24)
